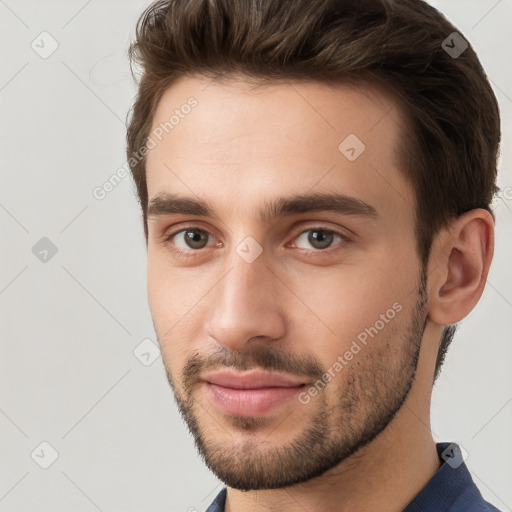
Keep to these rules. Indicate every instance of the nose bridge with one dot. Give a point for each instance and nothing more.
(245, 303)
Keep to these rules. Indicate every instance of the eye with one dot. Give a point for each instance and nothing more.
(320, 238)
(188, 241)
(189, 238)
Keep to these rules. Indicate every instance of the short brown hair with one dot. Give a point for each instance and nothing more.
(449, 154)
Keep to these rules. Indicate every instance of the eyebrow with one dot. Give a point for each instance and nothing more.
(164, 204)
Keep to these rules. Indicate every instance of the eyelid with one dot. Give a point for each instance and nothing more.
(183, 226)
(311, 226)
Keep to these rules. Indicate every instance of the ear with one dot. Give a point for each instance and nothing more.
(458, 266)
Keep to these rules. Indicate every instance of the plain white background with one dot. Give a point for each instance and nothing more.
(70, 324)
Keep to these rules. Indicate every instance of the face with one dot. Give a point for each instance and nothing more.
(292, 256)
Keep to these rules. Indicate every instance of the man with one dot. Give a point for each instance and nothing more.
(315, 180)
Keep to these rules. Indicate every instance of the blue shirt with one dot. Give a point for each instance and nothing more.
(451, 489)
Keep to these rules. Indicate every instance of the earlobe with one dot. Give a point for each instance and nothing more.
(463, 255)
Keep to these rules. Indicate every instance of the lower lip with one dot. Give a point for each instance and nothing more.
(249, 402)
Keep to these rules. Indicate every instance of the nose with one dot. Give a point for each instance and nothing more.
(246, 305)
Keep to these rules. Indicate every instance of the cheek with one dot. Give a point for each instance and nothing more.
(173, 303)
(163, 301)
(360, 303)
(170, 292)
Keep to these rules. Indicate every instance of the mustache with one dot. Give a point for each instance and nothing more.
(257, 357)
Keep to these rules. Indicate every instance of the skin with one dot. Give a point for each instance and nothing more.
(364, 441)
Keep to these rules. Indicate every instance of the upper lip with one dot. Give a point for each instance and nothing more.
(251, 380)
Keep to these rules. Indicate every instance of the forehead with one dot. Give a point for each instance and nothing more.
(233, 142)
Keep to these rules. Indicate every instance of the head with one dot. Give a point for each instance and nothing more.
(347, 120)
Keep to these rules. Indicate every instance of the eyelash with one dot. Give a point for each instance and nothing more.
(192, 253)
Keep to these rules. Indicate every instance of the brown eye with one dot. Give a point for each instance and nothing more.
(189, 238)
(319, 238)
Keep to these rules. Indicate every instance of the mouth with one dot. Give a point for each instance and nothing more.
(250, 402)
(253, 379)
(251, 393)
